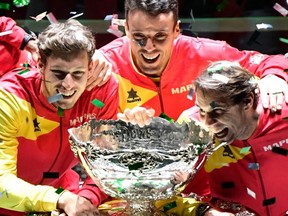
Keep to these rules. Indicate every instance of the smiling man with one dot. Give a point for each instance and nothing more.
(244, 175)
(36, 111)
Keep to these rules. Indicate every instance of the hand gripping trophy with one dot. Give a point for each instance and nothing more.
(141, 164)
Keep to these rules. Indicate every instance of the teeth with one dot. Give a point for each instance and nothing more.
(67, 94)
(150, 58)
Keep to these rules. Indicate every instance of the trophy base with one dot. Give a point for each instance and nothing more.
(130, 208)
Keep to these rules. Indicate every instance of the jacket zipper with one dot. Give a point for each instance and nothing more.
(246, 143)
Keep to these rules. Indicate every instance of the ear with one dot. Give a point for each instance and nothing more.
(249, 102)
(40, 66)
(90, 68)
(177, 29)
(126, 28)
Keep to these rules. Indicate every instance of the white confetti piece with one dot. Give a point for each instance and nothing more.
(6, 32)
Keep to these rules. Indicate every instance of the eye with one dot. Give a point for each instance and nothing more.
(139, 37)
(160, 37)
(59, 74)
(78, 74)
(216, 113)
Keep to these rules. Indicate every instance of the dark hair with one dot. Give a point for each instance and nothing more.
(153, 7)
(65, 40)
(228, 81)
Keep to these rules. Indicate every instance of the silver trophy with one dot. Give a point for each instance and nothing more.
(140, 164)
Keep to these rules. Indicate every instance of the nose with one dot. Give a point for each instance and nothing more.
(208, 120)
(68, 81)
(149, 44)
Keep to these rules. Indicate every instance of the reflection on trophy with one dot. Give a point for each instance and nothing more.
(140, 165)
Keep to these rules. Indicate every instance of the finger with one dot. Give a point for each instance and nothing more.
(105, 75)
(121, 116)
(141, 118)
(264, 99)
(273, 102)
(279, 101)
(130, 116)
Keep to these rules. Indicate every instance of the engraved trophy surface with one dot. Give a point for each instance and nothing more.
(140, 164)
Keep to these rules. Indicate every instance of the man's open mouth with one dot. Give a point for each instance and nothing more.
(150, 59)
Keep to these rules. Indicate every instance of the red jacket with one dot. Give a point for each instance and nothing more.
(11, 56)
(34, 143)
(255, 178)
(190, 56)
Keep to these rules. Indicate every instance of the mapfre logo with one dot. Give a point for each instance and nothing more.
(132, 96)
(81, 119)
(181, 89)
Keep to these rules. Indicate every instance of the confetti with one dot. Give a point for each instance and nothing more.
(55, 98)
(284, 40)
(264, 26)
(60, 112)
(190, 94)
(245, 150)
(220, 78)
(75, 16)
(24, 71)
(113, 28)
(39, 16)
(5, 6)
(117, 33)
(59, 190)
(97, 103)
(269, 201)
(50, 16)
(279, 150)
(21, 3)
(163, 115)
(251, 193)
(169, 206)
(108, 17)
(118, 22)
(280, 9)
(6, 32)
(213, 104)
(253, 166)
(214, 69)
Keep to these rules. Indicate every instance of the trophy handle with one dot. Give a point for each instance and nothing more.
(86, 167)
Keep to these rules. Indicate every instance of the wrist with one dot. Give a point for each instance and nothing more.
(26, 39)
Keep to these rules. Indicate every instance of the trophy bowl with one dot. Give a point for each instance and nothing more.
(140, 164)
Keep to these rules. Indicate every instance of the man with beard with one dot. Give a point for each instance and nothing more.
(247, 174)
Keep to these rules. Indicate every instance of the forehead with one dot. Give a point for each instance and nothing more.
(141, 21)
(210, 100)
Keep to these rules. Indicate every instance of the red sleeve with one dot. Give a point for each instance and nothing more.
(256, 62)
(15, 39)
(90, 191)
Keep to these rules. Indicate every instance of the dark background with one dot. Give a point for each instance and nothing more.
(263, 41)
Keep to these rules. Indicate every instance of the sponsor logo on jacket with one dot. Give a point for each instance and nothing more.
(276, 144)
(81, 119)
(181, 89)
